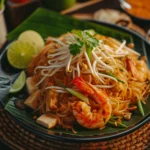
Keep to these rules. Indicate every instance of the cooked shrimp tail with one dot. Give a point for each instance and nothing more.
(83, 112)
(139, 69)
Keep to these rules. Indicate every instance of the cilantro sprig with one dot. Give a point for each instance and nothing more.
(83, 39)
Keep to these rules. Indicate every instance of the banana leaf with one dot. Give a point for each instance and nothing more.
(49, 23)
(27, 119)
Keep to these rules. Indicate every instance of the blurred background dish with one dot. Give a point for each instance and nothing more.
(117, 17)
(113, 16)
(139, 9)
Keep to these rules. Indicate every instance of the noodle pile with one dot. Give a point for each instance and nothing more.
(106, 69)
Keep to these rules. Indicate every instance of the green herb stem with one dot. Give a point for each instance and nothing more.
(114, 117)
(110, 74)
(83, 39)
(75, 93)
(89, 52)
(112, 122)
(122, 125)
(78, 95)
(140, 107)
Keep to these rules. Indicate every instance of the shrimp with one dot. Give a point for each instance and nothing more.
(138, 69)
(82, 111)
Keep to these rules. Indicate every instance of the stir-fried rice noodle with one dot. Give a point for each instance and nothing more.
(107, 69)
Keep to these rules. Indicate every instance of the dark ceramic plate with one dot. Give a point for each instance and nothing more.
(141, 45)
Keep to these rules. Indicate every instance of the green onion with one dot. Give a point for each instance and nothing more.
(122, 125)
(89, 52)
(75, 93)
(119, 124)
(78, 95)
(140, 107)
(110, 74)
(115, 117)
(61, 84)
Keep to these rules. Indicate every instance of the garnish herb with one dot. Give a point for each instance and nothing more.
(83, 39)
(75, 48)
(112, 75)
(118, 123)
(114, 121)
(75, 93)
(140, 107)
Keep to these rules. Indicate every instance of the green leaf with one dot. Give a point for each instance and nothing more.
(84, 35)
(93, 41)
(91, 32)
(74, 49)
(54, 24)
(78, 33)
(83, 39)
(27, 119)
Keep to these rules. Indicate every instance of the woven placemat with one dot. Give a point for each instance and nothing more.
(19, 138)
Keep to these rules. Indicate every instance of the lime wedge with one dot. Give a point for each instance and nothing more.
(20, 54)
(19, 83)
(33, 38)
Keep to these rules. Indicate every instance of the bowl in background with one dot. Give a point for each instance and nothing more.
(138, 10)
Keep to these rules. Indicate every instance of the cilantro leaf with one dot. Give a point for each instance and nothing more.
(83, 38)
(93, 41)
(75, 49)
(78, 33)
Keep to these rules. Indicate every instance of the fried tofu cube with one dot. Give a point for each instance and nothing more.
(32, 100)
(47, 121)
(31, 85)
